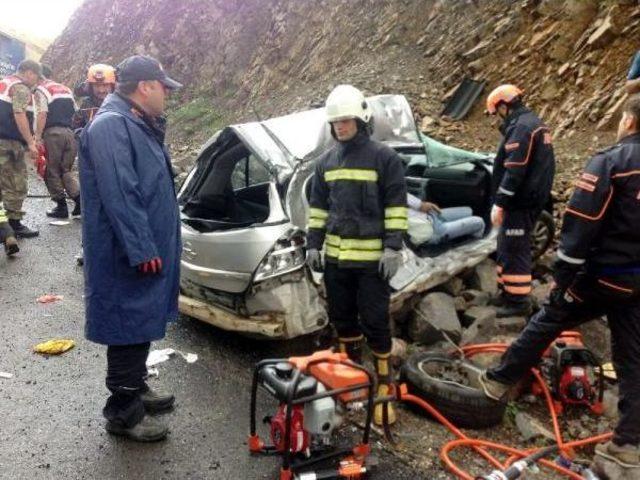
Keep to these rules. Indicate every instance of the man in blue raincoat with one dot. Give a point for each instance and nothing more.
(131, 235)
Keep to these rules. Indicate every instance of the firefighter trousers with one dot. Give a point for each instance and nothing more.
(358, 301)
(590, 297)
(514, 254)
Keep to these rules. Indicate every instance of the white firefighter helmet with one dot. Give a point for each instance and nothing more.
(346, 101)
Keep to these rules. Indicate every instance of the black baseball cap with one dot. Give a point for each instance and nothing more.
(139, 68)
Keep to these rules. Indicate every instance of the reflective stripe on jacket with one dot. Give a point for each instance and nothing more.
(358, 202)
(525, 163)
(601, 223)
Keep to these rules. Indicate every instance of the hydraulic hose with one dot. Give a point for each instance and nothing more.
(519, 460)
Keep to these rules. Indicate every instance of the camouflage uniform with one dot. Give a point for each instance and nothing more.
(13, 168)
(61, 147)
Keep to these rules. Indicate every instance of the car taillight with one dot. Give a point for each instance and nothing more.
(287, 256)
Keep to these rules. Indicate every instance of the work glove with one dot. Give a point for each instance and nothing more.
(564, 274)
(497, 215)
(153, 266)
(389, 263)
(314, 260)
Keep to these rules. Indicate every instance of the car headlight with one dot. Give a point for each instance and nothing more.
(286, 256)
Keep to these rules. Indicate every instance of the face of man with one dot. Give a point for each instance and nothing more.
(31, 79)
(345, 130)
(503, 111)
(153, 97)
(101, 90)
(627, 126)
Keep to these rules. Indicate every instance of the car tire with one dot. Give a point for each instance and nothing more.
(542, 235)
(464, 406)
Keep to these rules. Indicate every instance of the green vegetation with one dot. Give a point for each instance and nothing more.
(194, 117)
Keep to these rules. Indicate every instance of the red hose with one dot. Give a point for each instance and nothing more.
(481, 446)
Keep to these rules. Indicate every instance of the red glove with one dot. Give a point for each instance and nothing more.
(152, 266)
(41, 162)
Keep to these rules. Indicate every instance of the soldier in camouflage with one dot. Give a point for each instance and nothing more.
(16, 119)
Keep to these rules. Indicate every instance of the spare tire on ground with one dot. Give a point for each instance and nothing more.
(450, 385)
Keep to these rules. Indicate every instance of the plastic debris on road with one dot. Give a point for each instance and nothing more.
(49, 298)
(6, 375)
(59, 223)
(54, 347)
(159, 356)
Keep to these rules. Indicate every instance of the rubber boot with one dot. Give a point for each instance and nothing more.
(8, 238)
(77, 211)
(156, 401)
(60, 210)
(519, 308)
(22, 231)
(148, 429)
(385, 380)
(352, 346)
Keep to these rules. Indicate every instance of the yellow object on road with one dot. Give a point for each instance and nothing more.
(54, 347)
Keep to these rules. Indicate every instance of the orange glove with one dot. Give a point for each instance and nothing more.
(153, 266)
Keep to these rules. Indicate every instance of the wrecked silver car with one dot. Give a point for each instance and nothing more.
(244, 210)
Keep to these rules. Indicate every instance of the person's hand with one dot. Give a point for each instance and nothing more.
(33, 150)
(153, 266)
(314, 260)
(497, 216)
(428, 207)
(564, 274)
(389, 263)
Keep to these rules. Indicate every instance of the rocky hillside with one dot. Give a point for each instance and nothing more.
(242, 58)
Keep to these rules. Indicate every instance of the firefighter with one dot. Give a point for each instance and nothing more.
(596, 272)
(522, 180)
(100, 82)
(16, 119)
(358, 210)
(56, 109)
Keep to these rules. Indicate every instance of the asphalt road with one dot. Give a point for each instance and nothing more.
(50, 411)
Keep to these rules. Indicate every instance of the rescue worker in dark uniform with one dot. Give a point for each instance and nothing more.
(597, 272)
(16, 120)
(54, 128)
(100, 82)
(522, 179)
(358, 210)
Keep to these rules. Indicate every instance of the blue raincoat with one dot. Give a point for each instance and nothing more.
(130, 215)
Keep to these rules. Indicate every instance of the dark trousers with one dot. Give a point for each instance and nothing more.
(590, 297)
(126, 374)
(358, 301)
(514, 254)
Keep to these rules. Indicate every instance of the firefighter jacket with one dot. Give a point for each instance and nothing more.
(8, 126)
(602, 222)
(358, 204)
(525, 163)
(61, 106)
(88, 108)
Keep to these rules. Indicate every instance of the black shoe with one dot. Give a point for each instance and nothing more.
(157, 402)
(514, 309)
(22, 231)
(77, 211)
(497, 300)
(148, 430)
(11, 246)
(60, 210)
